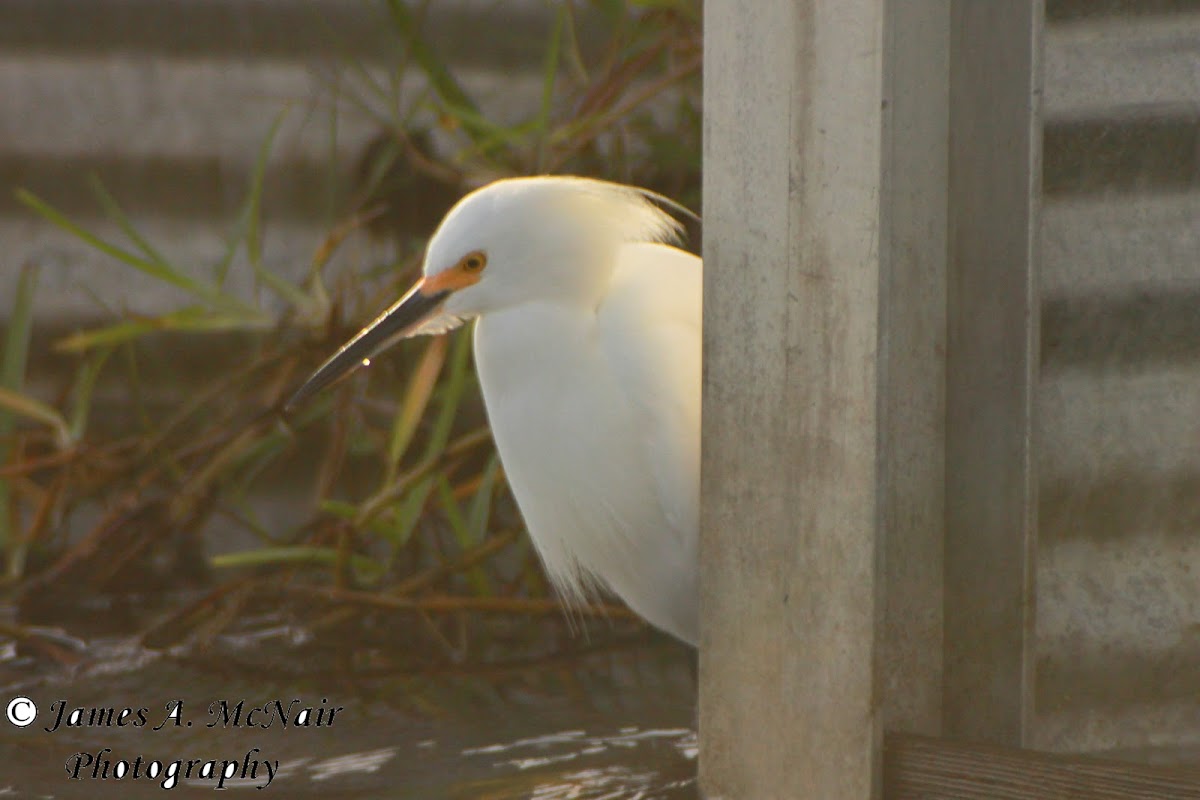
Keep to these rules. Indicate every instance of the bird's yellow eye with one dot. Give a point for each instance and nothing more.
(474, 262)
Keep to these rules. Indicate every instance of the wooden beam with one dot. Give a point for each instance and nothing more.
(791, 591)
(920, 768)
(995, 170)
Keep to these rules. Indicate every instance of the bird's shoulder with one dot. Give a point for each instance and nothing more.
(653, 285)
(650, 330)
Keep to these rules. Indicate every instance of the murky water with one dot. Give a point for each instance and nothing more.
(521, 717)
(614, 723)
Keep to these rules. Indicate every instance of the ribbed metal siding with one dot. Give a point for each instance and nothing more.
(1119, 403)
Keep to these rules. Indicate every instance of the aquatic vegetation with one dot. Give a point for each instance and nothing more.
(419, 527)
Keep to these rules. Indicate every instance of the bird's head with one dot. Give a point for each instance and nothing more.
(543, 239)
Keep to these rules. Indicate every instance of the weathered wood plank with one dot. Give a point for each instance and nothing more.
(920, 768)
(790, 591)
(995, 130)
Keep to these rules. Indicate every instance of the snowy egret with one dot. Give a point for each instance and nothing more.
(587, 344)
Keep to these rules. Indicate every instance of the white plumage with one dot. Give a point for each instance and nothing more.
(588, 347)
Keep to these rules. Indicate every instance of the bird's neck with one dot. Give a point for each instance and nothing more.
(521, 345)
(577, 274)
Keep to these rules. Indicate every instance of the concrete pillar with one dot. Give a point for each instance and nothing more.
(912, 352)
(790, 541)
(992, 349)
(826, 239)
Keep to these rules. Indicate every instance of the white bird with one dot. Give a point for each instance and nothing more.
(587, 345)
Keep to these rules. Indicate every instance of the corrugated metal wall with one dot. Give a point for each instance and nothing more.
(1119, 401)
(169, 102)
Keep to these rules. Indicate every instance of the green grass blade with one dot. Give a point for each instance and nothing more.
(549, 79)
(408, 514)
(416, 400)
(460, 353)
(251, 224)
(137, 400)
(356, 68)
(16, 339)
(114, 212)
(191, 319)
(447, 88)
(107, 336)
(686, 8)
(22, 405)
(614, 11)
(442, 80)
(479, 514)
(454, 515)
(268, 556)
(488, 136)
(257, 459)
(233, 241)
(461, 529)
(574, 51)
(81, 392)
(12, 378)
(163, 272)
(292, 294)
(252, 208)
(333, 161)
(339, 508)
(248, 517)
(382, 162)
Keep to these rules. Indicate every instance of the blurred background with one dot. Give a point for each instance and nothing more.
(200, 200)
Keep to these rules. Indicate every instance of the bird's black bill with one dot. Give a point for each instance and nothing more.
(389, 327)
